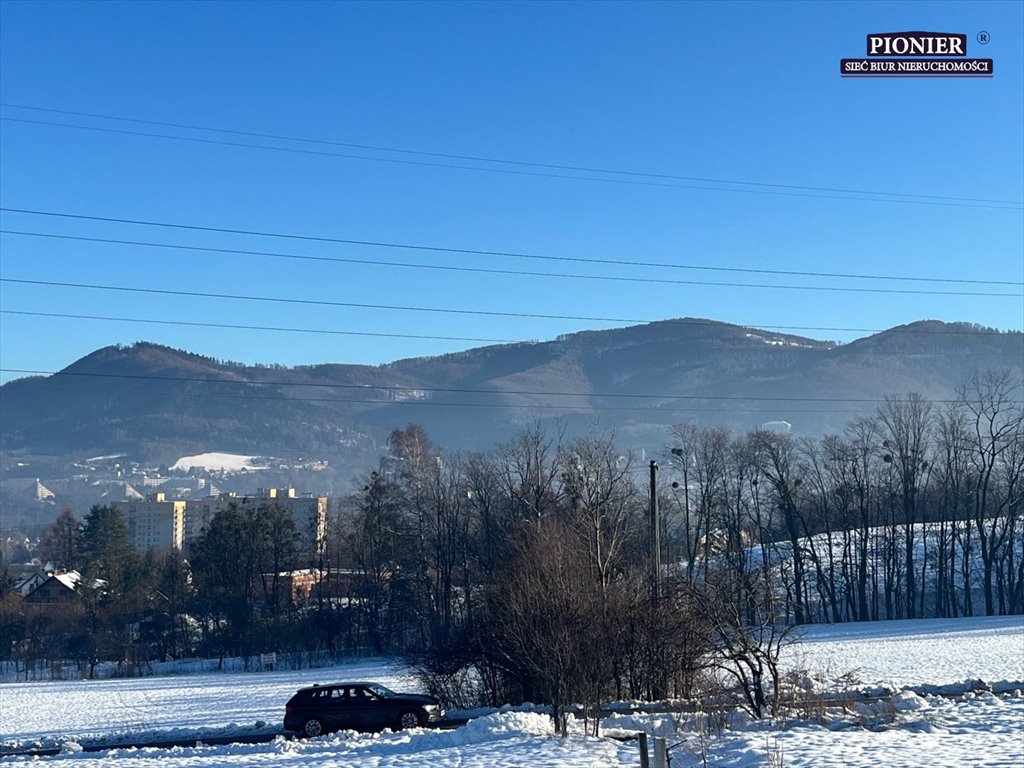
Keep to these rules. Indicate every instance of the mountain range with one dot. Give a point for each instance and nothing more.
(157, 404)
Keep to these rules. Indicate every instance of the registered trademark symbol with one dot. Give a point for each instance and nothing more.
(983, 38)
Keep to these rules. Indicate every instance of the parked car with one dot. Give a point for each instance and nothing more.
(358, 706)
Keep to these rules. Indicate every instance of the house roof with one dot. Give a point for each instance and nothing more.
(27, 584)
(69, 579)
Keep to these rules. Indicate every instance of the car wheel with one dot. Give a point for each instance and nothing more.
(409, 719)
(313, 727)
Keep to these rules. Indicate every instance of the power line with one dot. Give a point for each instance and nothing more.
(194, 324)
(446, 404)
(527, 406)
(320, 153)
(501, 161)
(466, 390)
(324, 302)
(527, 273)
(955, 331)
(778, 189)
(439, 249)
(520, 273)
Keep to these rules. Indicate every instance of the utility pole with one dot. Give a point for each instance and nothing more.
(655, 536)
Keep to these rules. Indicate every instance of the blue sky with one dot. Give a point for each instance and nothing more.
(729, 91)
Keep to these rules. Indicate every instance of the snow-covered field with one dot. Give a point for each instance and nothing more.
(976, 728)
(916, 652)
(983, 731)
(161, 708)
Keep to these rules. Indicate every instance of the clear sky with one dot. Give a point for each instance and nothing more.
(726, 92)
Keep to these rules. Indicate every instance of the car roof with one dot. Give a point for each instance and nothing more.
(315, 686)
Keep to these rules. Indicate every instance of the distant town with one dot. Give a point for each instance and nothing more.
(163, 506)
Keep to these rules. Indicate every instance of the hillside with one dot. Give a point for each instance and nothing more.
(157, 404)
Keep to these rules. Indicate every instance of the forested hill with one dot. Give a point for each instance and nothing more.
(157, 403)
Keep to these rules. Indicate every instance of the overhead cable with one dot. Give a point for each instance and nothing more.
(496, 160)
(440, 249)
(1007, 205)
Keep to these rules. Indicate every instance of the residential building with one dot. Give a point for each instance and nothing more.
(308, 512)
(155, 522)
(308, 584)
(57, 589)
(42, 492)
(200, 512)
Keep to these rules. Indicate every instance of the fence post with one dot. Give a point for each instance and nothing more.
(660, 752)
(645, 758)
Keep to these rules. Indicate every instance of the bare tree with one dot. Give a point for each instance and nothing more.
(996, 424)
(907, 426)
(530, 472)
(776, 464)
(861, 466)
(953, 507)
(447, 539)
(487, 524)
(700, 456)
(602, 501)
(747, 640)
(381, 543)
(543, 620)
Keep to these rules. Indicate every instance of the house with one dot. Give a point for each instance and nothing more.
(28, 576)
(28, 583)
(58, 589)
(309, 584)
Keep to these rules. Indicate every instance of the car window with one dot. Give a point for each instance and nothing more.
(381, 691)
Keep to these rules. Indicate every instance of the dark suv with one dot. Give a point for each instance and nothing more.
(358, 706)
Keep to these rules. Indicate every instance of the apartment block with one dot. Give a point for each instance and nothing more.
(155, 522)
(308, 512)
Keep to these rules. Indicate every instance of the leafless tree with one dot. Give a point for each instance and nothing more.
(906, 427)
(700, 456)
(602, 501)
(747, 639)
(530, 473)
(543, 620)
(776, 462)
(952, 504)
(995, 422)
(62, 541)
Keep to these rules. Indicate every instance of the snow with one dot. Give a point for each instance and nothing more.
(217, 462)
(916, 652)
(940, 734)
(913, 728)
(69, 579)
(926, 538)
(514, 739)
(157, 708)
